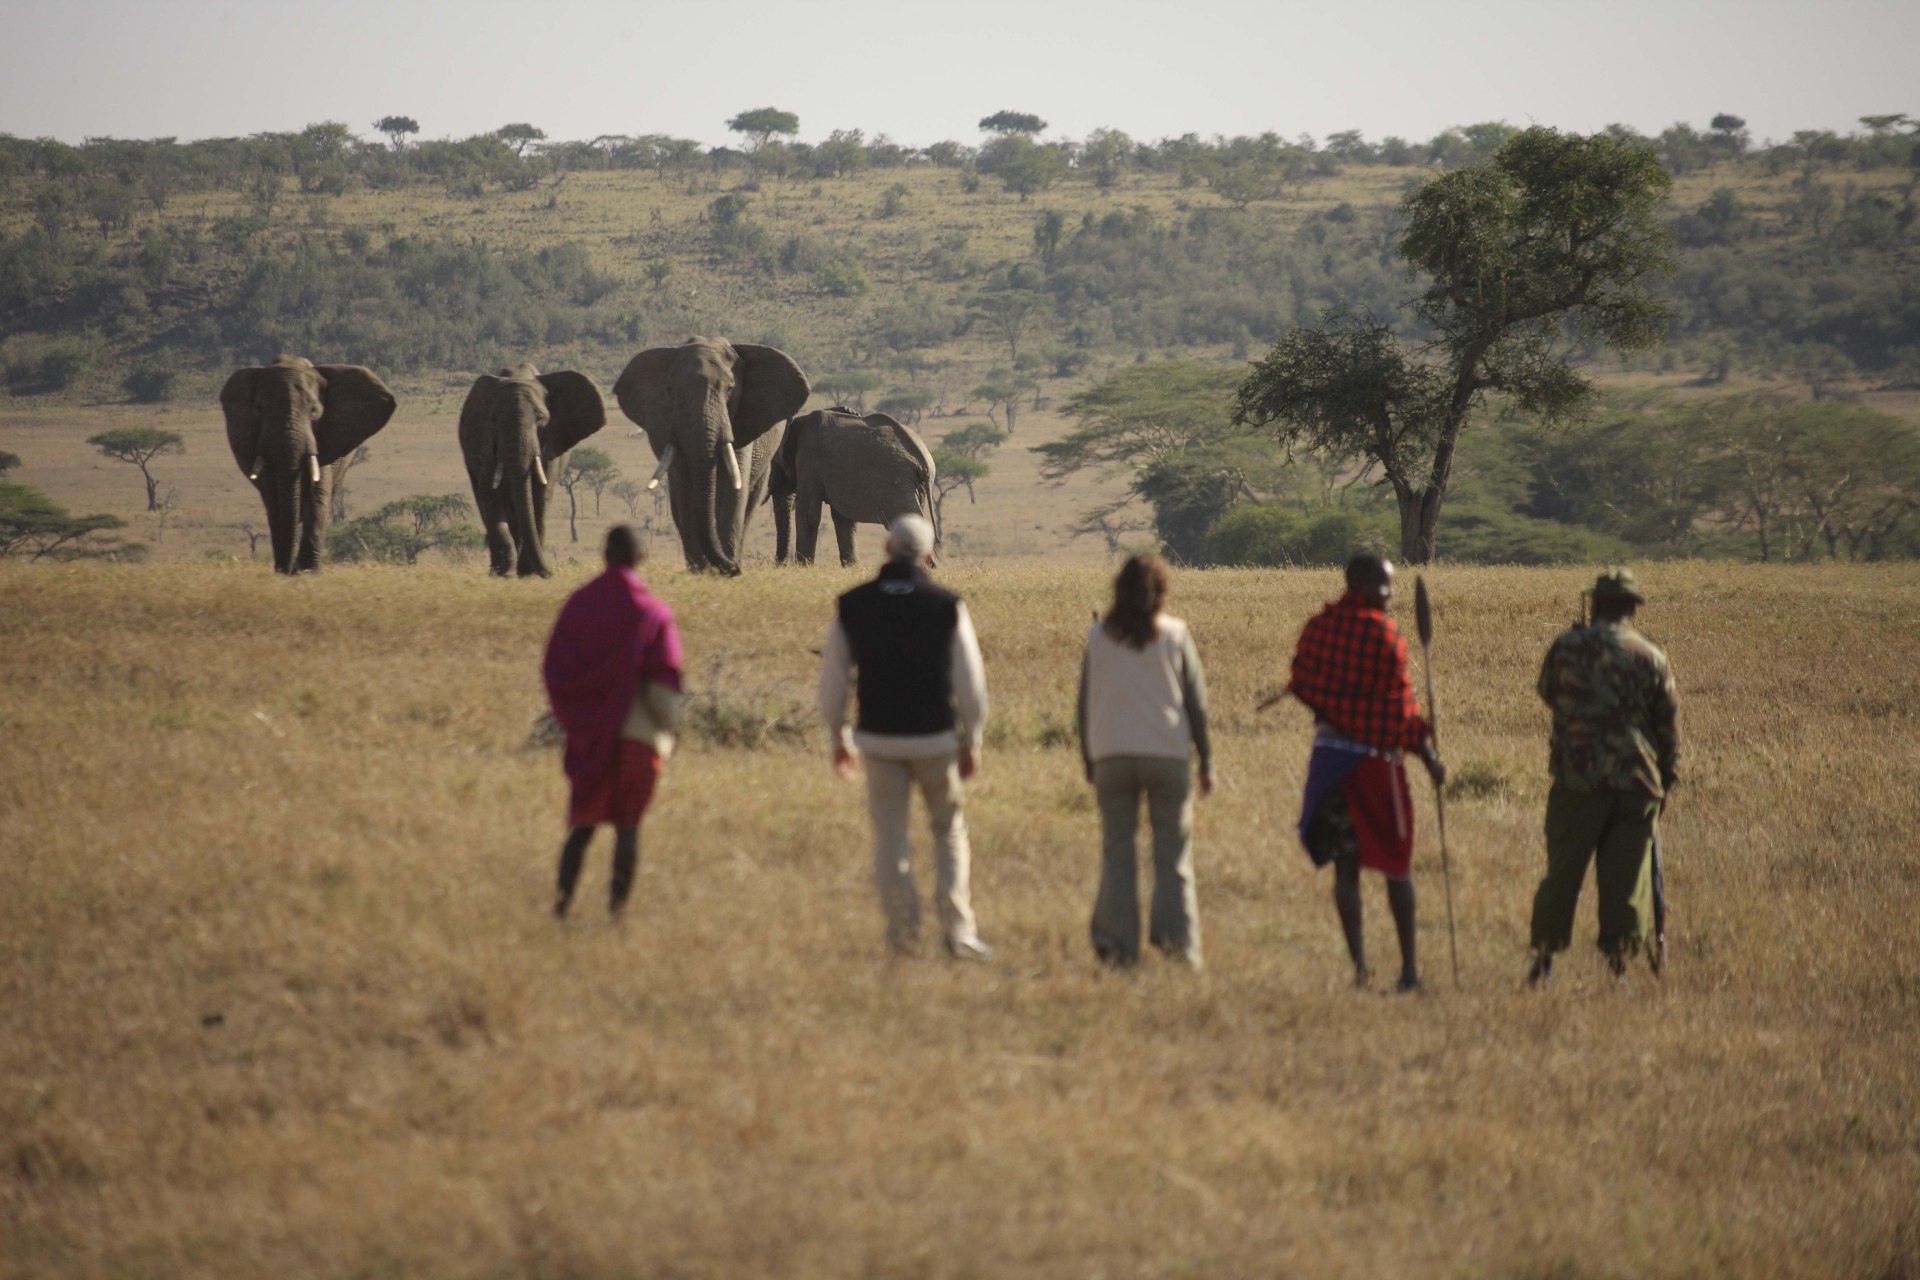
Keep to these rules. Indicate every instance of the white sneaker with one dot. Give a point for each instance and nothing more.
(969, 948)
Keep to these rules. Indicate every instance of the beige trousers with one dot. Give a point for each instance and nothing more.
(890, 786)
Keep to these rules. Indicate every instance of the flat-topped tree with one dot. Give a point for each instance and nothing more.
(1543, 247)
(1009, 122)
(759, 125)
(139, 446)
(396, 128)
(519, 136)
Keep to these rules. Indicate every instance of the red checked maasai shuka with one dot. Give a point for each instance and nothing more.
(1350, 670)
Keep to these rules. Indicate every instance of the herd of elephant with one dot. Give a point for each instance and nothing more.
(719, 415)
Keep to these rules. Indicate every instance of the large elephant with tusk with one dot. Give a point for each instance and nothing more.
(516, 429)
(714, 412)
(293, 426)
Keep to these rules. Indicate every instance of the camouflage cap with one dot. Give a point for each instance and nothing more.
(1618, 583)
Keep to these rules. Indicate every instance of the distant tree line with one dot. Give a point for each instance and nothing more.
(1818, 286)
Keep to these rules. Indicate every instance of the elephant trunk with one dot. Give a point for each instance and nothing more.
(710, 491)
(280, 491)
(528, 533)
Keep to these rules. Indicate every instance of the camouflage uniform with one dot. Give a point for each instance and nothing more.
(1614, 754)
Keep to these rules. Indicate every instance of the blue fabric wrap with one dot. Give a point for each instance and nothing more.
(1328, 769)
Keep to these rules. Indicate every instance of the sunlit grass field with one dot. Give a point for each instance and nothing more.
(279, 993)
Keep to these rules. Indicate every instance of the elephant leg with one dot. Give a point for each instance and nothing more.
(806, 530)
(493, 520)
(782, 528)
(843, 534)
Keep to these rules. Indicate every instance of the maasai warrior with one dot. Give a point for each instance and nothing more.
(1350, 670)
(1614, 756)
(613, 675)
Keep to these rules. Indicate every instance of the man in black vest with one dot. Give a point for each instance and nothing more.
(923, 704)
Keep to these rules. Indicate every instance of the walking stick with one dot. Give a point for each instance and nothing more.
(1423, 619)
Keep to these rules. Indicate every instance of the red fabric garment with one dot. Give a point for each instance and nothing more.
(619, 796)
(1381, 804)
(610, 635)
(1350, 670)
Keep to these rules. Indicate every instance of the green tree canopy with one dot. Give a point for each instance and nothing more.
(1547, 245)
(139, 446)
(519, 136)
(761, 123)
(1022, 165)
(1011, 122)
(396, 128)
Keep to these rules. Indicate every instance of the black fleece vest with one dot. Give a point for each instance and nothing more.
(901, 628)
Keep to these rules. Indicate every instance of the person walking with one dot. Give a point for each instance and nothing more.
(612, 671)
(909, 648)
(1142, 712)
(1350, 671)
(1614, 756)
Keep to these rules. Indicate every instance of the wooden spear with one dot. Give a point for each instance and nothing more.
(1423, 619)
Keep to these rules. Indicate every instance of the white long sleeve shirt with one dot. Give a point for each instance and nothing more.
(969, 680)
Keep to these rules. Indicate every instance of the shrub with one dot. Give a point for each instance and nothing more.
(1279, 534)
(36, 364)
(151, 383)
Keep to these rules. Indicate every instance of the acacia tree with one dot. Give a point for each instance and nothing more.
(760, 124)
(958, 461)
(1168, 428)
(139, 446)
(590, 469)
(1543, 247)
(1011, 122)
(519, 136)
(396, 128)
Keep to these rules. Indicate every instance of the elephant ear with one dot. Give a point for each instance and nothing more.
(574, 411)
(355, 405)
(638, 391)
(243, 424)
(769, 388)
(476, 442)
(909, 440)
(787, 463)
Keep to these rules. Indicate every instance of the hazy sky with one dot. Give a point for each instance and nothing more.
(922, 72)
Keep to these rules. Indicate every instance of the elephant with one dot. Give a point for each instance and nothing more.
(516, 429)
(293, 426)
(711, 408)
(867, 470)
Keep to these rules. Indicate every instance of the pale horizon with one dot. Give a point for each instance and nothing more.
(123, 69)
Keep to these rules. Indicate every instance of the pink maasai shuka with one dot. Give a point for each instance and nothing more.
(610, 635)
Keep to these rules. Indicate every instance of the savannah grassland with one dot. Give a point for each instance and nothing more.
(279, 993)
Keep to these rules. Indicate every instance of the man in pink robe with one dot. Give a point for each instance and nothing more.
(612, 672)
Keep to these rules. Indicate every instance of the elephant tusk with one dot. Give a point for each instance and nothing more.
(666, 460)
(313, 466)
(733, 464)
(499, 473)
(259, 465)
(539, 472)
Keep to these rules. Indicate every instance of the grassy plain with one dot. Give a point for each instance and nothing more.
(279, 994)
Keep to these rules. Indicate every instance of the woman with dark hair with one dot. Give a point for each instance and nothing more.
(1142, 710)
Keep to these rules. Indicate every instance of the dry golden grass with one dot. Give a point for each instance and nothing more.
(279, 994)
